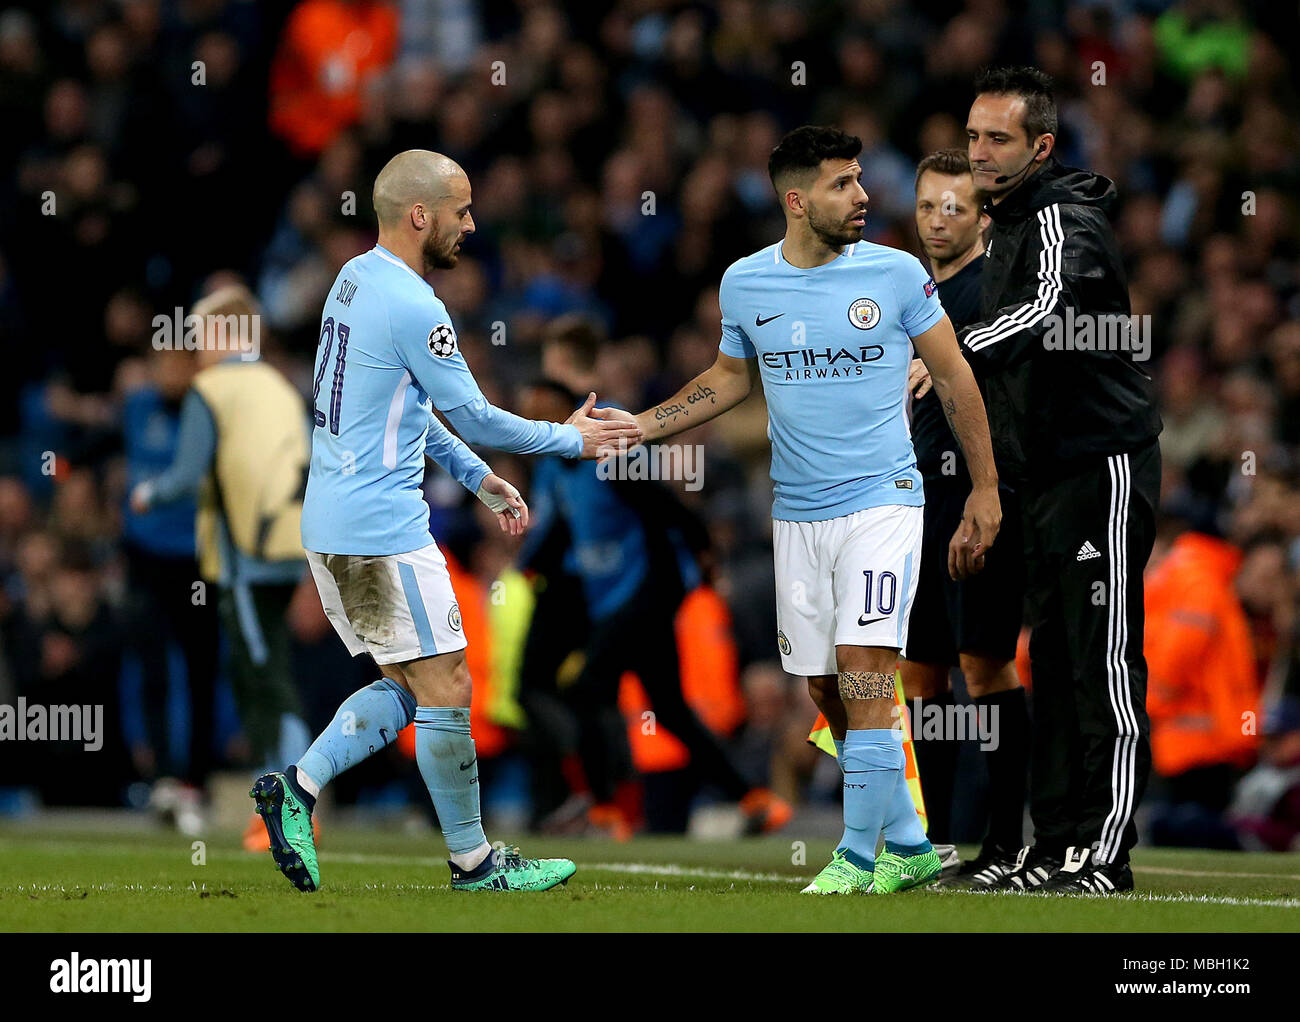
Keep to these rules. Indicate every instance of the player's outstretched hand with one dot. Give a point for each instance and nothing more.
(975, 533)
(918, 379)
(504, 499)
(604, 430)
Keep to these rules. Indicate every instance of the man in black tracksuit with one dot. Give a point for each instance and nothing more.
(1075, 432)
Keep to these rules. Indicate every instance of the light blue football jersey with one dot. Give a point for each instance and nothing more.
(387, 349)
(833, 344)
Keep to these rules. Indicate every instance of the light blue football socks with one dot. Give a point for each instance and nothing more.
(445, 754)
(903, 831)
(873, 765)
(902, 827)
(367, 720)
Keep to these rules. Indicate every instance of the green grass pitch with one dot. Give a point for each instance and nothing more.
(83, 879)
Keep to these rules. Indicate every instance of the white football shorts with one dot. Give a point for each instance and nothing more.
(396, 607)
(847, 581)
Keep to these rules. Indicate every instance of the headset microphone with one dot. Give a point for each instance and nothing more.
(1002, 179)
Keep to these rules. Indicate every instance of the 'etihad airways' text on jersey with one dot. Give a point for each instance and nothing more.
(833, 345)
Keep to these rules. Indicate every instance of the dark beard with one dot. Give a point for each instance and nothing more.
(833, 235)
(435, 260)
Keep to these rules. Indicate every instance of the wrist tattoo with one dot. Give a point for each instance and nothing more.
(866, 685)
(671, 412)
(949, 407)
(664, 414)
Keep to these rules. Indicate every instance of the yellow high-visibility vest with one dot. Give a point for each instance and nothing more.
(255, 489)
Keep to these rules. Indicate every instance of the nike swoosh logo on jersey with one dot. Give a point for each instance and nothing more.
(760, 321)
(863, 619)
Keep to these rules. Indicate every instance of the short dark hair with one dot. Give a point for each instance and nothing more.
(1031, 85)
(953, 162)
(582, 335)
(804, 149)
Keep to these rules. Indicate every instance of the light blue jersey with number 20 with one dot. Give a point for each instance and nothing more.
(833, 344)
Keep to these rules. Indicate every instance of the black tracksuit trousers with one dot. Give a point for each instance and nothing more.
(1087, 540)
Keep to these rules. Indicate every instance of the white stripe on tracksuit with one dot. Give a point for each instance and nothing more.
(1123, 775)
(1049, 287)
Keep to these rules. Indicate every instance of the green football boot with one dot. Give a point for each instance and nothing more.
(895, 873)
(288, 825)
(505, 869)
(840, 876)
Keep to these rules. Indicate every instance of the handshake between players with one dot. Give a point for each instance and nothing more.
(602, 436)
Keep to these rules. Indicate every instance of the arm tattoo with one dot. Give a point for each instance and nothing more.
(949, 410)
(702, 393)
(866, 685)
(664, 414)
(667, 413)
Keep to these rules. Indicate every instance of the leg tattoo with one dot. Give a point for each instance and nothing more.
(866, 685)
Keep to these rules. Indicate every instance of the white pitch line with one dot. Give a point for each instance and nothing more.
(636, 868)
(673, 870)
(1144, 896)
(1217, 900)
(668, 870)
(1168, 871)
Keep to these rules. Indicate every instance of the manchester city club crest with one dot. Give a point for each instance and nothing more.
(864, 314)
(442, 341)
(783, 644)
(453, 617)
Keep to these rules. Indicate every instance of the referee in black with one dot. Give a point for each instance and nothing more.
(972, 623)
(1075, 432)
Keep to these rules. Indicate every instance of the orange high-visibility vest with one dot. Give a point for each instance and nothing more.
(710, 683)
(329, 53)
(1202, 686)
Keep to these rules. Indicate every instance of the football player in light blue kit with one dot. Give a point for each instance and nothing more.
(387, 356)
(828, 322)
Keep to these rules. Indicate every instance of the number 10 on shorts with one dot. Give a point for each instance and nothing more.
(884, 594)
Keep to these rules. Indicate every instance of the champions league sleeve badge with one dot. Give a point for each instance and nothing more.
(442, 341)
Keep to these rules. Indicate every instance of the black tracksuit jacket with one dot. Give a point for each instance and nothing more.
(1052, 411)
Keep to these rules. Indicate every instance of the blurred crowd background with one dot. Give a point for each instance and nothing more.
(617, 150)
